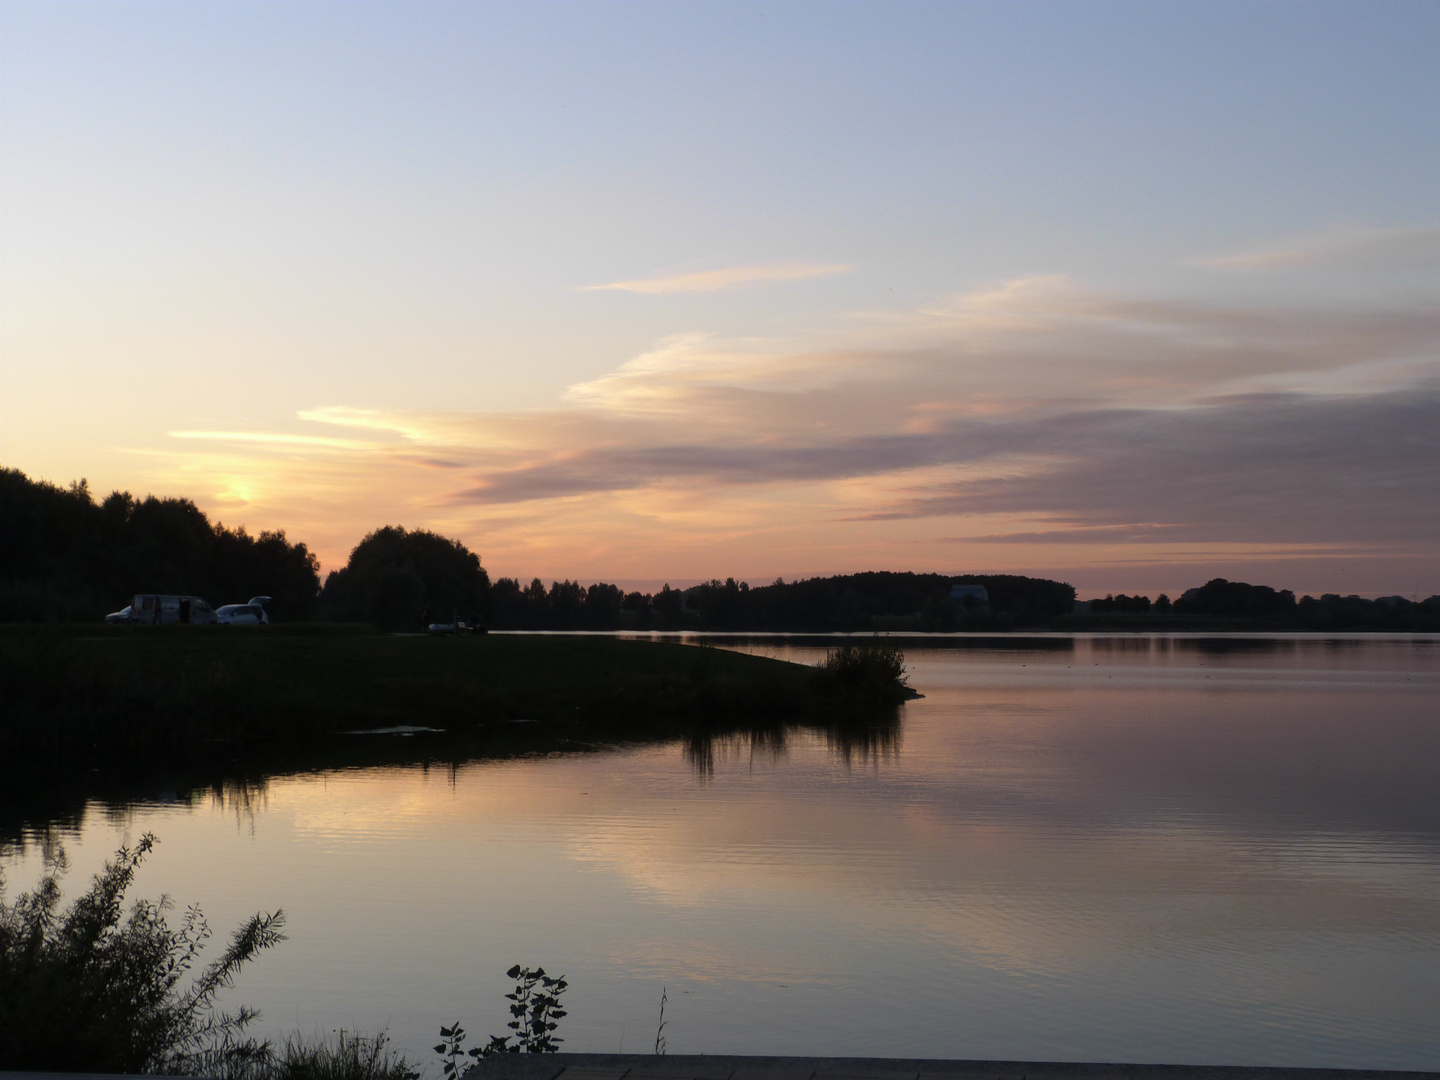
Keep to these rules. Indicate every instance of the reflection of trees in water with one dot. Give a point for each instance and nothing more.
(39, 805)
(49, 837)
(41, 815)
(704, 748)
(243, 798)
(868, 742)
(1278, 645)
(1219, 646)
(33, 813)
(1125, 644)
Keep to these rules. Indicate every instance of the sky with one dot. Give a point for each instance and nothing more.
(1129, 294)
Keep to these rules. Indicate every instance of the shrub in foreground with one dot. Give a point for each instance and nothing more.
(94, 989)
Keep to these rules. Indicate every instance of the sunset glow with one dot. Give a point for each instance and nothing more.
(608, 294)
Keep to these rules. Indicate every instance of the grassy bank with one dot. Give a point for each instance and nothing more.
(175, 691)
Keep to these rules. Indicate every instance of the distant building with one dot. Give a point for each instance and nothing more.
(970, 595)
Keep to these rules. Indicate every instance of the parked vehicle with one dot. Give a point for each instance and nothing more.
(471, 624)
(251, 614)
(151, 609)
(125, 615)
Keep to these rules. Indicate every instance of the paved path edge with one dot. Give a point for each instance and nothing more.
(726, 1066)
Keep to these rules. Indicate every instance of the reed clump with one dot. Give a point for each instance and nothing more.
(875, 670)
(345, 1056)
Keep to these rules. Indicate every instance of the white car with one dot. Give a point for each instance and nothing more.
(149, 609)
(242, 615)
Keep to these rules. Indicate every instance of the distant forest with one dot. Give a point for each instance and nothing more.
(872, 601)
(66, 558)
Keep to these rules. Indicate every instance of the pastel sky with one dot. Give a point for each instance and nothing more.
(1132, 294)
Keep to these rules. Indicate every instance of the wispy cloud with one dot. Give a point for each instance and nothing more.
(1334, 246)
(1262, 468)
(1038, 413)
(1090, 534)
(729, 277)
(365, 419)
(272, 438)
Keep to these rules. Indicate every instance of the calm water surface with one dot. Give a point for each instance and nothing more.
(1127, 849)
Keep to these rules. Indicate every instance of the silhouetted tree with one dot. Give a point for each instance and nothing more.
(668, 602)
(602, 605)
(1128, 605)
(536, 600)
(507, 604)
(722, 606)
(567, 601)
(395, 576)
(1237, 599)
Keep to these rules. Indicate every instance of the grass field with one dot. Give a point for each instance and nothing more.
(173, 690)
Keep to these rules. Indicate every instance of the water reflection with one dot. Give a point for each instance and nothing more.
(1125, 849)
(752, 642)
(863, 741)
(40, 798)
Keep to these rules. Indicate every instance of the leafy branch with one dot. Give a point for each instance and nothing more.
(535, 1014)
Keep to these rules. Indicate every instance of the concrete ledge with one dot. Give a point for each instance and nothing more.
(722, 1067)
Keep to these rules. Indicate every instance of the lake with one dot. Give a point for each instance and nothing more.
(1141, 848)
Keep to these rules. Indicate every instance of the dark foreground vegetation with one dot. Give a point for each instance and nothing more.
(90, 988)
(94, 986)
(187, 691)
(66, 558)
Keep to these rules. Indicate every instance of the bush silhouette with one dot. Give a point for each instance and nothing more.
(395, 576)
(90, 989)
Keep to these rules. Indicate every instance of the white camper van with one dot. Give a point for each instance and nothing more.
(152, 609)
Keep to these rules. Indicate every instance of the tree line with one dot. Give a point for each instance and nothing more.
(64, 557)
(1330, 611)
(844, 602)
(1259, 605)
